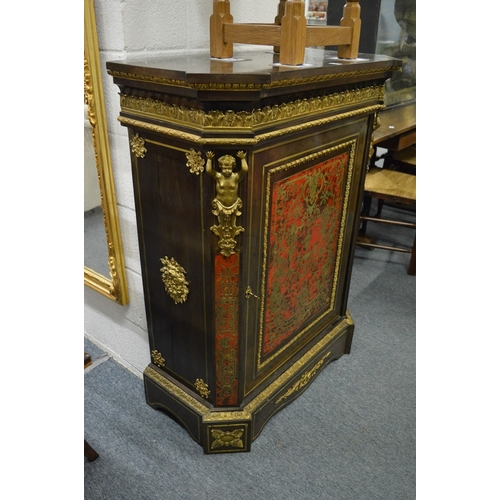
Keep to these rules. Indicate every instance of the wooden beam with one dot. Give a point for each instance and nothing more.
(258, 34)
(270, 34)
(319, 36)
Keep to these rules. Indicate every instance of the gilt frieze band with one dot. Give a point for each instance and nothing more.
(250, 141)
(248, 120)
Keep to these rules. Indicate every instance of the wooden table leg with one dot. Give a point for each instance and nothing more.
(412, 268)
(87, 360)
(90, 453)
(221, 14)
(293, 33)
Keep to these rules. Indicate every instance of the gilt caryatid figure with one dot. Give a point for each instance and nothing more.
(227, 204)
(289, 34)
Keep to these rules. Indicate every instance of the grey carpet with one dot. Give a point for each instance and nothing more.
(350, 436)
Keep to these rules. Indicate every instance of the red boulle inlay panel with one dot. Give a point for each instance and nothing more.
(306, 211)
(226, 328)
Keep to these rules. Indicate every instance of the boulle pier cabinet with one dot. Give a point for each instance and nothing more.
(247, 177)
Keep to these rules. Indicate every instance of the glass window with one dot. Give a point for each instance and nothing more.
(397, 37)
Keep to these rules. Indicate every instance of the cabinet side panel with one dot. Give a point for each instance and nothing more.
(172, 238)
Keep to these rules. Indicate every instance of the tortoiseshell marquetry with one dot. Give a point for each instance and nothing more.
(306, 212)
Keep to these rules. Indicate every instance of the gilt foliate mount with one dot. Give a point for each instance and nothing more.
(174, 279)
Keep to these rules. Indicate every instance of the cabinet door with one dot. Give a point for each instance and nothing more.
(304, 202)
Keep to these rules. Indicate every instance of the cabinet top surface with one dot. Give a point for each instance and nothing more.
(250, 67)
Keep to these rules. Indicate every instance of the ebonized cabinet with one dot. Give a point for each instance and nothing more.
(247, 179)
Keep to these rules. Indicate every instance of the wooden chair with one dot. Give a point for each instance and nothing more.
(387, 184)
(405, 160)
(289, 34)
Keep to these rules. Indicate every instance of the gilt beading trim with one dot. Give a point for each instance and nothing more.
(208, 416)
(304, 380)
(217, 86)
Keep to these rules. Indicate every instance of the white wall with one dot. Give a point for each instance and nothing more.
(135, 27)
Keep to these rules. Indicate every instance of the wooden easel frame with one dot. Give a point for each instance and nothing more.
(290, 34)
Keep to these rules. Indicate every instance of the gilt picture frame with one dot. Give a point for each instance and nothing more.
(113, 286)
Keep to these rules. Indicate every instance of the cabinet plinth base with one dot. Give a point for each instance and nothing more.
(230, 430)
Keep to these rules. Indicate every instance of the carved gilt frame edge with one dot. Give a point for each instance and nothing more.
(114, 287)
